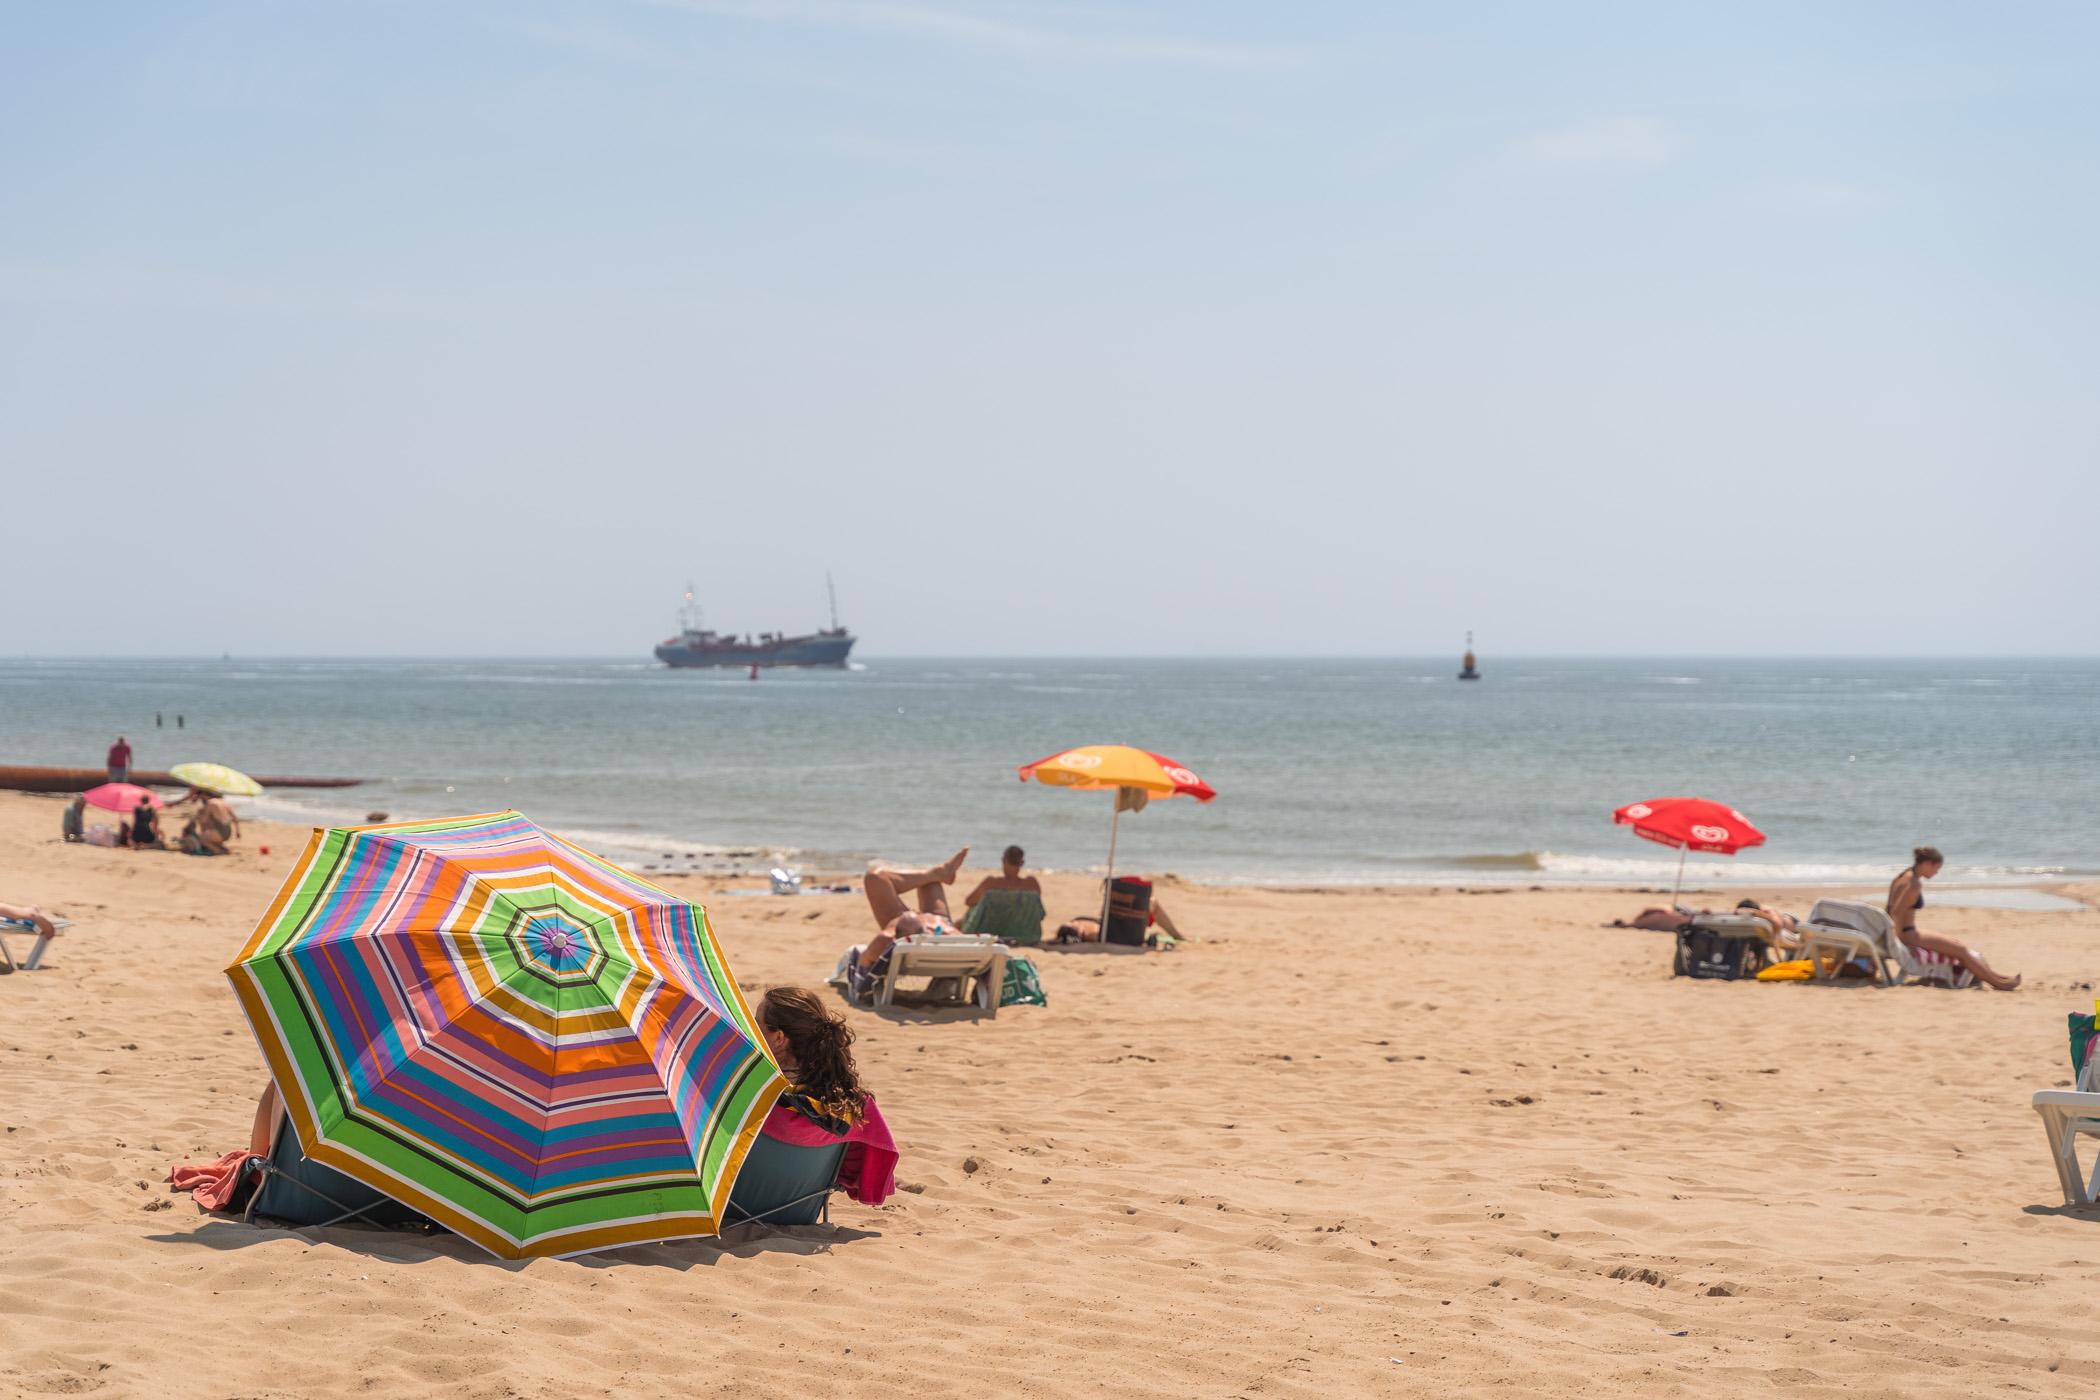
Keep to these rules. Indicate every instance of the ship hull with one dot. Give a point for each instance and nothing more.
(793, 651)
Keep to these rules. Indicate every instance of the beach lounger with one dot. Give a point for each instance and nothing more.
(965, 968)
(1844, 930)
(19, 928)
(303, 1193)
(1014, 917)
(2067, 1115)
(782, 1184)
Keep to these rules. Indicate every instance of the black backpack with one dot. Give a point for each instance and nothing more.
(1727, 956)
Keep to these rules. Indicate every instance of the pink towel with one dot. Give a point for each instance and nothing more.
(212, 1184)
(869, 1172)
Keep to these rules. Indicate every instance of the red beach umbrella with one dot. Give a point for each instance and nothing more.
(1690, 824)
(121, 797)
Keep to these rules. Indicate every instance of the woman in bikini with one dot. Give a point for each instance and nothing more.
(1907, 897)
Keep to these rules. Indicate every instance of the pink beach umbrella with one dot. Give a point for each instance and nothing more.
(122, 797)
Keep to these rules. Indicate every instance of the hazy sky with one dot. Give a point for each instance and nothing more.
(459, 326)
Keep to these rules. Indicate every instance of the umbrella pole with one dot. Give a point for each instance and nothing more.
(1108, 883)
(1678, 888)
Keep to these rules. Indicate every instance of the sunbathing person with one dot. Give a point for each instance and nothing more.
(1008, 878)
(1907, 897)
(145, 827)
(207, 833)
(1087, 929)
(1781, 929)
(886, 889)
(825, 1102)
(31, 915)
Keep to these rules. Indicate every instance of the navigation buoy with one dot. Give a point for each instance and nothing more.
(1470, 672)
(754, 670)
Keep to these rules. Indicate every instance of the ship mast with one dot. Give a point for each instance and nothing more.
(834, 594)
(689, 611)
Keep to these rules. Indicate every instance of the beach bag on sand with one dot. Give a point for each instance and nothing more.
(1708, 954)
(1022, 986)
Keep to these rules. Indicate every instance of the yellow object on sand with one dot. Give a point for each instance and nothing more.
(1799, 970)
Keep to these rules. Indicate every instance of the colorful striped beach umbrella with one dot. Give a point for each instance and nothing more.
(528, 1044)
(216, 777)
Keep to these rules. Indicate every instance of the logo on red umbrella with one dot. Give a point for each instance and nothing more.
(1183, 776)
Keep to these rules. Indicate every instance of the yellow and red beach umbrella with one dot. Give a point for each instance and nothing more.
(1099, 766)
(1134, 775)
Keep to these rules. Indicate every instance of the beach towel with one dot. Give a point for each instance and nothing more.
(212, 1185)
(869, 1173)
(1011, 916)
(2082, 1038)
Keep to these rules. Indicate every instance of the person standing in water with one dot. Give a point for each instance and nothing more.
(1907, 897)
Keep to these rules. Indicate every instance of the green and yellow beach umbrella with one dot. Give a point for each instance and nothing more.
(216, 777)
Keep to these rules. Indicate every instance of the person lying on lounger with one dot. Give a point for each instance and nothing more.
(31, 915)
(886, 889)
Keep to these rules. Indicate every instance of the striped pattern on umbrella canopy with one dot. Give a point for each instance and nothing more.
(530, 1045)
(216, 777)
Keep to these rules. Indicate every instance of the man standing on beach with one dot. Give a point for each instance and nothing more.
(120, 760)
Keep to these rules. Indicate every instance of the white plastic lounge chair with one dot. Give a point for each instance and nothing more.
(1844, 930)
(2067, 1115)
(21, 928)
(973, 965)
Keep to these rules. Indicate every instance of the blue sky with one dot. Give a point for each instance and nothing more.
(1103, 328)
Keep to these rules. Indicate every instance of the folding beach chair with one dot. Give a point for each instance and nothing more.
(1841, 929)
(304, 1193)
(19, 928)
(1014, 917)
(782, 1184)
(965, 968)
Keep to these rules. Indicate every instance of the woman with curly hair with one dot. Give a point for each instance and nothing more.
(825, 1102)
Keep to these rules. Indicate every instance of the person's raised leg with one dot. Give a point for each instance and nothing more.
(934, 900)
(264, 1128)
(885, 901)
(905, 881)
(1968, 957)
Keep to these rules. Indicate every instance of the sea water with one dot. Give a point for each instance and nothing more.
(1342, 771)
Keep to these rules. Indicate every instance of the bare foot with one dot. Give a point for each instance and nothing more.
(2012, 984)
(952, 867)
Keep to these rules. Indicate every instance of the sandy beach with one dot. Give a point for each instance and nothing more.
(1348, 1142)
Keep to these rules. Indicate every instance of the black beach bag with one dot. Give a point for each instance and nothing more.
(1705, 953)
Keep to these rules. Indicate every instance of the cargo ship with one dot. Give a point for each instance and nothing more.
(697, 645)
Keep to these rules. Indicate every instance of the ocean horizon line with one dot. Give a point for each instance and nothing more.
(641, 661)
